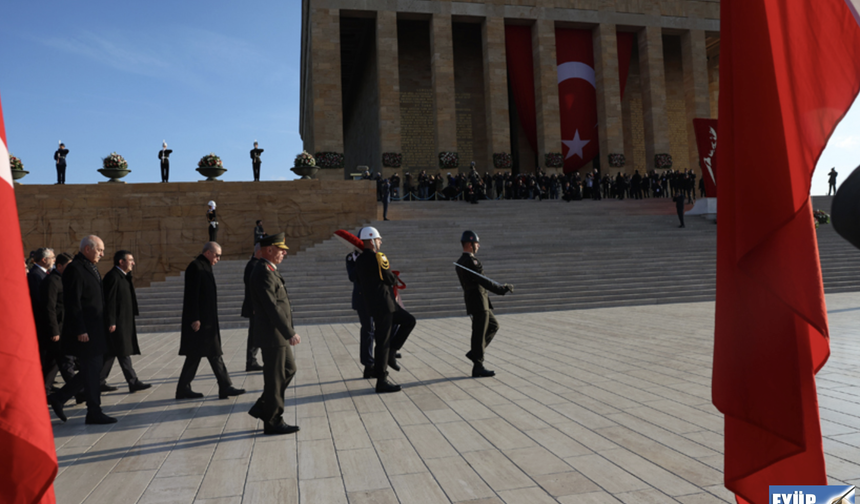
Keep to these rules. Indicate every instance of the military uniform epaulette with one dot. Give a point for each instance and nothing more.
(382, 261)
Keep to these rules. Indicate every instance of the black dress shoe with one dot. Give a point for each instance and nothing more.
(225, 393)
(99, 419)
(383, 387)
(108, 388)
(134, 387)
(57, 406)
(254, 366)
(188, 394)
(479, 371)
(280, 429)
(368, 372)
(392, 362)
(256, 411)
(397, 354)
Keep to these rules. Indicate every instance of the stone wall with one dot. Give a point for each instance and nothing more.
(361, 116)
(164, 225)
(469, 87)
(417, 124)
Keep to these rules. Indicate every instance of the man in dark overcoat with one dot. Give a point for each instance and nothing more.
(120, 310)
(376, 280)
(274, 334)
(478, 305)
(83, 332)
(200, 333)
(49, 325)
(251, 363)
(60, 159)
(43, 261)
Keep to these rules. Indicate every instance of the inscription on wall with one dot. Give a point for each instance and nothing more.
(416, 125)
(465, 147)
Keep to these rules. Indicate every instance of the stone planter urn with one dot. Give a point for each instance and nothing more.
(211, 172)
(19, 174)
(306, 172)
(115, 174)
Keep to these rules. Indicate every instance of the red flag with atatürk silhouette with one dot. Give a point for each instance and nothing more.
(789, 71)
(28, 464)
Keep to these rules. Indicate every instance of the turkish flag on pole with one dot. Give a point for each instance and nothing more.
(789, 71)
(28, 464)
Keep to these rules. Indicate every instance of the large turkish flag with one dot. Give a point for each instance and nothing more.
(577, 93)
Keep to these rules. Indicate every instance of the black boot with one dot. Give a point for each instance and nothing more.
(383, 387)
(479, 371)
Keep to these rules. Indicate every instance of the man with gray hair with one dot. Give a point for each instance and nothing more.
(200, 332)
(83, 333)
(43, 261)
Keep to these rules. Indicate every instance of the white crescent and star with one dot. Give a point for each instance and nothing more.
(575, 70)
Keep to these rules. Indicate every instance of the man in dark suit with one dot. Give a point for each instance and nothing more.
(258, 231)
(478, 305)
(60, 158)
(366, 331)
(251, 363)
(377, 283)
(274, 334)
(831, 181)
(84, 330)
(200, 333)
(256, 161)
(679, 206)
(164, 156)
(49, 325)
(120, 310)
(43, 261)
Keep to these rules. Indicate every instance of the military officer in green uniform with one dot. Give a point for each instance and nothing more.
(478, 305)
(273, 334)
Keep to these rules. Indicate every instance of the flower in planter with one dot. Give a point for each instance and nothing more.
(329, 159)
(15, 163)
(392, 159)
(821, 217)
(502, 160)
(553, 160)
(616, 160)
(662, 161)
(114, 162)
(210, 161)
(449, 160)
(305, 159)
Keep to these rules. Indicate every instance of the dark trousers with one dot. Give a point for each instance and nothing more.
(165, 172)
(279, 367)
(61, 174)
(124, 364)
(251, 350)
(256, 172)
(189, 371)
(681, 215)
(831, 186)
(365, 344)
(382, 325)
(385, 208)
(54, 362)
(484, 328)
(213, 233)
(87, 380)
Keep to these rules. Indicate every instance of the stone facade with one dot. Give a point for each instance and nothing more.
(165, 226)
(441, 80)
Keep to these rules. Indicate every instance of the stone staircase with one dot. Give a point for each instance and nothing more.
(558, 255)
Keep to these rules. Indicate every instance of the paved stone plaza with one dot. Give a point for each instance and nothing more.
(588, 406)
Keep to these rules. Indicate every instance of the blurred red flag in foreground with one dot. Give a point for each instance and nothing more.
(789, 71)
(28, 464)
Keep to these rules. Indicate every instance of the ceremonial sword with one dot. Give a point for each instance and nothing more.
(475, 273)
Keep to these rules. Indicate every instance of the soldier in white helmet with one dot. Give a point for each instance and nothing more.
(374, 275)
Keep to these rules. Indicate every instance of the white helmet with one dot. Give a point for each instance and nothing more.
(212, 205)
(368, 233)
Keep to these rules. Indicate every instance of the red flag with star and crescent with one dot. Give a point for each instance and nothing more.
(577, 92)
(28, 465)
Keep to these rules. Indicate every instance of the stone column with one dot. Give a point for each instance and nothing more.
(444, 98)
(694, 61)
(325, 82)
(546, 91)
(653, 77)
(388, 84)
(610, 127)
(496, 88)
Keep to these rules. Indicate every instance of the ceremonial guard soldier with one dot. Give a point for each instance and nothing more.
(256, 161)
(475, 286)
(377, 282)
(163, 155)
(274, 334)
(60, 158)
